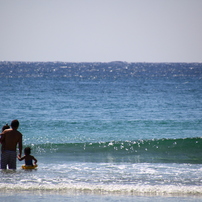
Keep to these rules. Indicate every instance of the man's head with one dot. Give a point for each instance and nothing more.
(15, 124)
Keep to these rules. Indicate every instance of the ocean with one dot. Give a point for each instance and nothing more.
(113, 131)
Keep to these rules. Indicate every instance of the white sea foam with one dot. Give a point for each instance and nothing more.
(106, 178)
(104, 189)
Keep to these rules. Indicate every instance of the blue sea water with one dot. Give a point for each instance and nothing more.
(123, 129)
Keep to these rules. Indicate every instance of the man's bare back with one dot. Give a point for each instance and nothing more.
(10, 138)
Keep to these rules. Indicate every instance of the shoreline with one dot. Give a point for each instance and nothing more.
(33, 196)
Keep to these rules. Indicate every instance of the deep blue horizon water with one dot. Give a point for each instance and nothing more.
(127, 128)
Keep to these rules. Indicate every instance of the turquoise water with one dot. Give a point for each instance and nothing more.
(106, 128)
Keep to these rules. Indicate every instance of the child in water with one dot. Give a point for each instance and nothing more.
(28, 158)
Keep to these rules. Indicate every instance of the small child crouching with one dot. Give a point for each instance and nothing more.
(28, 159)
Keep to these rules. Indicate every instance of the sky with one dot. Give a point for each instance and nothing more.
(101, 30)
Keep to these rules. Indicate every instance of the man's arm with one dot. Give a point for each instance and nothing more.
(20, 146)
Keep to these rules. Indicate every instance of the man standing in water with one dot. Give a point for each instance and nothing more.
(10, 138)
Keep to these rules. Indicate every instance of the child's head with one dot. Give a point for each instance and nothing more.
(27, 151)
(5, 127)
